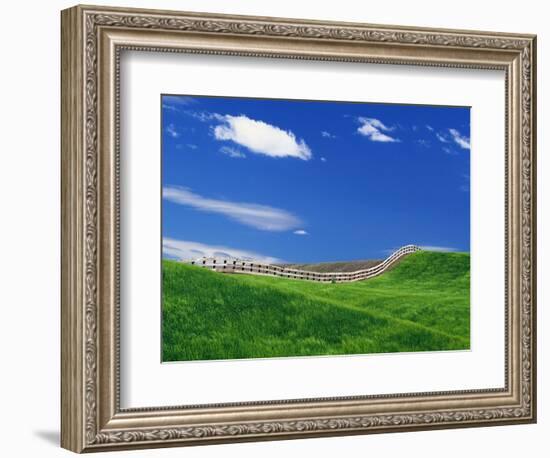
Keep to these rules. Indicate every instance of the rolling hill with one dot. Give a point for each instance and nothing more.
(421, 304)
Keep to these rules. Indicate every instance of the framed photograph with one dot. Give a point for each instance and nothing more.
(278, 228)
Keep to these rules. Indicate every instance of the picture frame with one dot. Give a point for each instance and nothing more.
(93, 39)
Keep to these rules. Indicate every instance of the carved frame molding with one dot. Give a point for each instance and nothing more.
(92, 39)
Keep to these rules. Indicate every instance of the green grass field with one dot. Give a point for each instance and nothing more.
(422, 304)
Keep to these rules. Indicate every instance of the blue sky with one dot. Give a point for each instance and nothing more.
(312, 181)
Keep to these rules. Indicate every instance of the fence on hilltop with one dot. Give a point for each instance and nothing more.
(236, 266)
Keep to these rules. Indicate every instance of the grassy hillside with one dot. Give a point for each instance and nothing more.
(422, 304)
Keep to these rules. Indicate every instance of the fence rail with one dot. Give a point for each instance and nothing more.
(230, 266)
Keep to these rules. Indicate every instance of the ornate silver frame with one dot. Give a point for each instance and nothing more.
(92, 39)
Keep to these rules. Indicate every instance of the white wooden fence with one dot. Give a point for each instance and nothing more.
(231, 266)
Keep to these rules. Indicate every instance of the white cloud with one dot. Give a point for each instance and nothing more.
(453, 136)
(261, 138)
(460, 140)
(192, 146)
(261, 217)
(373, 129)
(323, 159)
(204, 116)
(175, 102)
(301, 232)
(232, 152)
(449, 150)
(167, 106)
(179, 99)
(442, 138)
(171, 130)
(430, 128)
(326, 134)
(186, 250)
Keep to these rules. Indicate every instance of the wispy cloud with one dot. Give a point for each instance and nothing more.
(450, 151)
(168, 107)
(459, 139)
(204, 116)
(442, 138)
(301, 232)
(177, 102)
(232, 152)
(323, 159)
(453, 136)
(261, 138)
(186, 250)
(326, 134)
(465, 187)
(430, 128)
(182, 146)
(444, 249)
(374, 130)
(422, 142)
(261, 217)
(171, 130)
